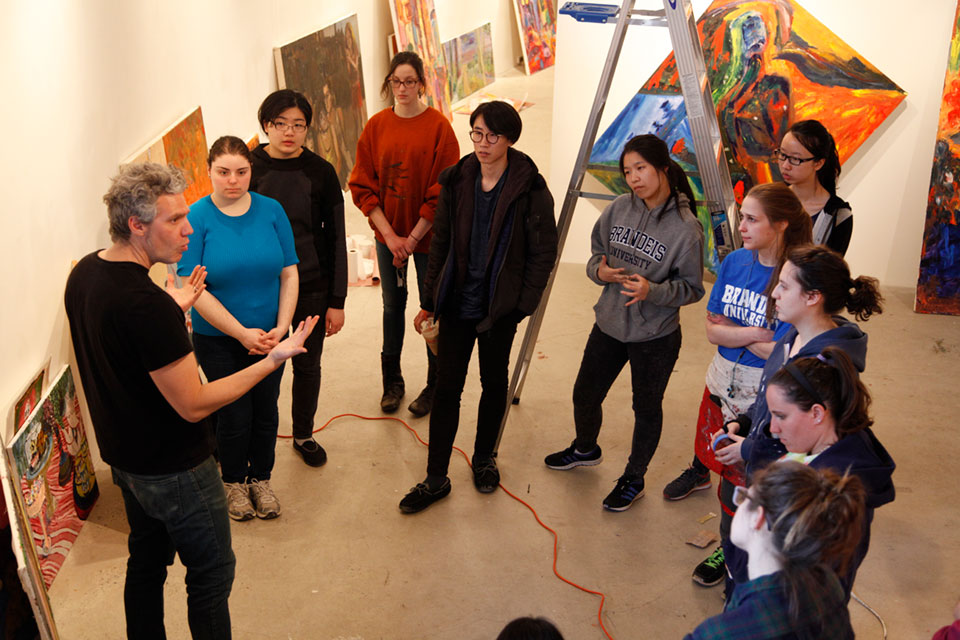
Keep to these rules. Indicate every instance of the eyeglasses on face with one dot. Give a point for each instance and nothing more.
(409, 84)
(740, 495)
(780, 156)
(477, 136)
(283, 126)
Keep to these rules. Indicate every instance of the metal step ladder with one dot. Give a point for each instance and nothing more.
(677, 16)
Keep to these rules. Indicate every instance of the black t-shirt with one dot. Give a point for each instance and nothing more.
(123, 327)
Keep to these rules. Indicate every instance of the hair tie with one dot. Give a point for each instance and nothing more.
(804, 382)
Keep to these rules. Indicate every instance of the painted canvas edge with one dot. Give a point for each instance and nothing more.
(523, 43)
(158, 139)
(44, 374)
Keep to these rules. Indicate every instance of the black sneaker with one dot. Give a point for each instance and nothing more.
(711, 571)
(686, 483)
(421, 496)
(570, 458)
(624, 494)
(312, 453)
(486, 477)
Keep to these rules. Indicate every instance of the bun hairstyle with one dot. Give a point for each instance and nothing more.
(817, 140)
(228, 146)
(829, 379)
(816, 519)
(655, 152)
(821, 269)
(780, 204)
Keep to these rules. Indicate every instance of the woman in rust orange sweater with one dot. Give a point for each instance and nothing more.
(394, 183)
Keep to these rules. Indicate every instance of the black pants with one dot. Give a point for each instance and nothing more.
(306, 366)
(455, 348)
(651, 364)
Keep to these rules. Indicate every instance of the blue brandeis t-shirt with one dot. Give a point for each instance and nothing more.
(738, 294)
(244, 256)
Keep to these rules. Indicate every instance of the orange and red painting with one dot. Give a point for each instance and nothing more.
(938, 287)
(771, 63)
(184, 144)
(415, 25)
(537, 20)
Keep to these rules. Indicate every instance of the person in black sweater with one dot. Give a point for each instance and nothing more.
(309, 190)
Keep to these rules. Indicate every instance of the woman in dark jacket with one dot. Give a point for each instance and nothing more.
(493, 248)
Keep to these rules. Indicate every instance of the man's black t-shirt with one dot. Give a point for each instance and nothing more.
(124, 326)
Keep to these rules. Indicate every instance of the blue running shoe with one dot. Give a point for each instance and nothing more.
(570, 458)
(624, 494)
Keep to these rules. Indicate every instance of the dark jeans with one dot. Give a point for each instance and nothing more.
(247, 427)
(455, 348)
(179, 513)
(651, 364)
(306, 366)
(395, 296)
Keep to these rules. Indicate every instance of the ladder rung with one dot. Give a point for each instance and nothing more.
(593, 196)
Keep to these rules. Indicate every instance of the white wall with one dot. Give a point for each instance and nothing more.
(886, 180)
(456, 17)
(86, 83)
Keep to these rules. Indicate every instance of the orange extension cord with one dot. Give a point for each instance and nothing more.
(556, 538)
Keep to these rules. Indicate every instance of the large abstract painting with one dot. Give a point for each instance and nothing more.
(415, 24)
(537, 20)
(51, 465)
(770, 63)
(185, 145)
(938, 288)
(469, 62)
(325, 66)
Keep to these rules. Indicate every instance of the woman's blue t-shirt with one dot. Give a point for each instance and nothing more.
(738, 294)
(244, 256)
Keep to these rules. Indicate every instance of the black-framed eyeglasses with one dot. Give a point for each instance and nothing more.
(477, 136)
(283, 127)
(780, 156)
(409, 84)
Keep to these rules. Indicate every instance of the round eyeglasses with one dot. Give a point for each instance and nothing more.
(780, 156)
(477, 136)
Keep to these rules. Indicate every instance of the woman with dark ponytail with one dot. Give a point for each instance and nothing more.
(798, 526)
(810, 164)
(647, 251)
(821, 414)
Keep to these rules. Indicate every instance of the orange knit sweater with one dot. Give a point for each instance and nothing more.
(398, 161)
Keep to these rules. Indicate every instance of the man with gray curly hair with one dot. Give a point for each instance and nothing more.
(148, 405)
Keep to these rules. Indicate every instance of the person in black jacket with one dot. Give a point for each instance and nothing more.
(494, 246)
(309, 190)
(819, 411)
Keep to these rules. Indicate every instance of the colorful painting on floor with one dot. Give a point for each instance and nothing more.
(51, 464)
(185, 145)
(469, 62)
(770, 63)
(415, 25)
(325, 66)
(537, 20)
(938, 287)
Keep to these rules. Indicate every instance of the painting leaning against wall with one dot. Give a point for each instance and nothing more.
(537, 21)
(325, 66)
(53, 469)
(469, 62)
(938, 287)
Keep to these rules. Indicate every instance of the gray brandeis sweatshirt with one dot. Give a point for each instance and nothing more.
(665, 246)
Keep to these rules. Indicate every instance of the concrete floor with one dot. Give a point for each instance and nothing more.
(343, 562)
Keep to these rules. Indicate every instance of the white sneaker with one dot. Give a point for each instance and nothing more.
(239, 506)
(264, 499)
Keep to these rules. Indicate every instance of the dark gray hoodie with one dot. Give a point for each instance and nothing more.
(663, 246)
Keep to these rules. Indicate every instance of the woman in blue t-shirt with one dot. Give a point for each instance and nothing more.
(246, 244)
(740, 324)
